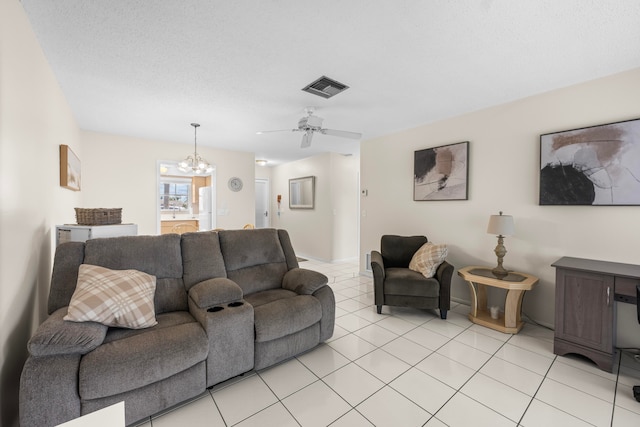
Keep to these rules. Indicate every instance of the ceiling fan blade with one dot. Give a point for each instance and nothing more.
(260, 132)
(341, 133)
(306, 139)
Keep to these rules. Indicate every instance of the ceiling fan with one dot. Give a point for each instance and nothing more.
(311, 124)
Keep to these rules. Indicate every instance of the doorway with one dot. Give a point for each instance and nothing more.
(184, 201)
(262, 219)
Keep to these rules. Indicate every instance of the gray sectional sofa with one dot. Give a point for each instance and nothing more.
(226, 302)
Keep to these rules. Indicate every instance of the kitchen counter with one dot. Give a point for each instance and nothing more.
(178, 225)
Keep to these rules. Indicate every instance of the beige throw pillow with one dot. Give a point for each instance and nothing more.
(120, 298)
(428, 258)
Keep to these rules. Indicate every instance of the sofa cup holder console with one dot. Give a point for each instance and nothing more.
(217, 308)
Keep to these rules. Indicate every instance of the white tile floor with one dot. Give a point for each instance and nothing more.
(408, 367)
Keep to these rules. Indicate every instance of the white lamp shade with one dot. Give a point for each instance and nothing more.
(500, 225)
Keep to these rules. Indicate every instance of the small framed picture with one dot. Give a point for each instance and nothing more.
(69, 169)
(593, 166)
(441, 173)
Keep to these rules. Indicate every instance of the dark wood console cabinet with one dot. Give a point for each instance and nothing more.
(585, 311)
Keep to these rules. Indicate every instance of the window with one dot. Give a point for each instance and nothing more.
(175, 195)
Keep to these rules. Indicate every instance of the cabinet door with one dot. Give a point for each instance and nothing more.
(585, 308)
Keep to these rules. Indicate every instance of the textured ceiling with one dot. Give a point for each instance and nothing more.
(149, 68)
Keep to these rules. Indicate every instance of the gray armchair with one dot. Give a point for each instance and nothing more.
(396, 285)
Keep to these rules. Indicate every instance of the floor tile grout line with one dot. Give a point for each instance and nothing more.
(361, 299)
(420, 370)
(459, 390)
(217, 408)
(387, 384)
(278, 397)
(555, 359)
(615, 389)
(582, 391)
(536, 393)
(353, 333)
(348, 403)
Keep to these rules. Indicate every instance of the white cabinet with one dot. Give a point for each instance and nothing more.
(82, 233)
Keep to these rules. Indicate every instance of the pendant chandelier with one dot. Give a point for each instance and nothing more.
(194, 163)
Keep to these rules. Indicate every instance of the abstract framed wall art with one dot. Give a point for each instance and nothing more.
(441, 173)
(594, 166)
(69, 169)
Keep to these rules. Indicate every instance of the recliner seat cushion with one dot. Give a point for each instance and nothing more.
(165, 320)
(259, 298)
(286, 316)
(403, 281)
(138, 360)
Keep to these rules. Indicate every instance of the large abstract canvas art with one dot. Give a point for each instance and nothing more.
(441, 173)
(596, 165)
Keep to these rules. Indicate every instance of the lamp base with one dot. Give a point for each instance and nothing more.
(499, 272)
(500, 252)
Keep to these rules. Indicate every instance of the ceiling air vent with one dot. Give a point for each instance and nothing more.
(325, 87)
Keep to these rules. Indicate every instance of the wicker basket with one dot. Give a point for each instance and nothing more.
(98, 216)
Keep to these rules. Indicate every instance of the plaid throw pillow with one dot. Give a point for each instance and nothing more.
(428, 258)
(120, 298)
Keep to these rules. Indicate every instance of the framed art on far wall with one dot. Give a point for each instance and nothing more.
(592, 166)
(441, 173)
(69, 169)
(302, 192)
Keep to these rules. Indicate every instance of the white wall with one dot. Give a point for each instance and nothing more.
(263, 172)
(34, 120)
(329, 231)
(344, 173)
(503, 175)
(121, 172)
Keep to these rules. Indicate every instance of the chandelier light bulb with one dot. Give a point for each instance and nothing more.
(195, 164)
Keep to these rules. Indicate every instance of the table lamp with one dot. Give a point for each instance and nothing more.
(500, 225)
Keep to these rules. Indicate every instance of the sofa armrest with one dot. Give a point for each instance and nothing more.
(56, 336)
(49, 390)
(303, 281)
(219, 290)
(444, 274)
(377, 266)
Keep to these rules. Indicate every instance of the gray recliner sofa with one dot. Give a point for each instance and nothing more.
(226, 302)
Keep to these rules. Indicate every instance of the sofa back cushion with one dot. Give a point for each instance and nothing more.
(201, 258)
(397, 251)
(64, 277)
(159, 256)
(255, 259)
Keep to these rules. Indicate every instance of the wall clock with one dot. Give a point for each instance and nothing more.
(235, 184)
